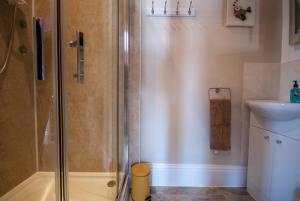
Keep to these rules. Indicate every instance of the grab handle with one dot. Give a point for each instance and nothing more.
(39, 48)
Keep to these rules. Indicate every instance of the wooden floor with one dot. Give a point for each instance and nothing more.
(200, 194)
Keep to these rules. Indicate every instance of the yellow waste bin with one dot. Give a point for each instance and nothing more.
(140, 181)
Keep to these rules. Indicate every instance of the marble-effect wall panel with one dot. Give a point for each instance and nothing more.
(17, 129)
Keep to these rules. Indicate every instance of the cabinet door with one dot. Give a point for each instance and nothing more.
(286, 170)
(259, 164)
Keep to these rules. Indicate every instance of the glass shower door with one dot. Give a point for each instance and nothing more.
(28, 117)
(90, 80)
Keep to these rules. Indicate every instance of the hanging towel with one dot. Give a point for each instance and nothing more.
(220, 124)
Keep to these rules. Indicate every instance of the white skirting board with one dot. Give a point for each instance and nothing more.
(190, 175)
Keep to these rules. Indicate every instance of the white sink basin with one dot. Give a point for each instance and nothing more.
(275, 110)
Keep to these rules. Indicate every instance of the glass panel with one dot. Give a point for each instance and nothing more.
(90, 91)
(28, 147)
(122, 79)
(46, 111)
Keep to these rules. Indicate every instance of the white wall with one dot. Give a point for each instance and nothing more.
(261, 82)
(290, 67)
(289, 52)
(271, 80)
(181, 59)
(289, 71)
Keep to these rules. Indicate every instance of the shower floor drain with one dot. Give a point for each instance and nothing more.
(111, 183)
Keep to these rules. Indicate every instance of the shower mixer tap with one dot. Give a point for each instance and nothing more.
(73, 43)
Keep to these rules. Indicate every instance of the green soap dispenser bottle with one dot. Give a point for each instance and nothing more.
(295, 93)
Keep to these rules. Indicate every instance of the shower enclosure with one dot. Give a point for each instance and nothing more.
(63, 99)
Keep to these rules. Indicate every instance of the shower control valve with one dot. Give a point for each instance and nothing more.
(73, 44)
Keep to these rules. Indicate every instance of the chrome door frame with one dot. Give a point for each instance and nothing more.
(62, 138)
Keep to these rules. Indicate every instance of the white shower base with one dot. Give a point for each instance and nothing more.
(83, 187)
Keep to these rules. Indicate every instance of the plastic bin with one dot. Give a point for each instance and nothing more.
(140, 181)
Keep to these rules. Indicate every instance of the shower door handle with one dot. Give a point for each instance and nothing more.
(39, 48)
(79, 45)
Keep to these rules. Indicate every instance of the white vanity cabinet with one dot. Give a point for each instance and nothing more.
(286, 169)
(259, 164)
(273, 164)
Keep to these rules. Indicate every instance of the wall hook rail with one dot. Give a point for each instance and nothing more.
(171, 12)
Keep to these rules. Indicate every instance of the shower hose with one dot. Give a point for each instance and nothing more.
(11, 40)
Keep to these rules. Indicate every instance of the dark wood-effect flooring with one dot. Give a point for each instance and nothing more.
(200, 194)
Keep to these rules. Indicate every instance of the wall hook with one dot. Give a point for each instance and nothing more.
(165, 9)
(190, 8)
(152, 10)
(177, 9)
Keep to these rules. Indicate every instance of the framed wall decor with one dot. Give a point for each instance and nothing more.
(240, 13)
(294, 21)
